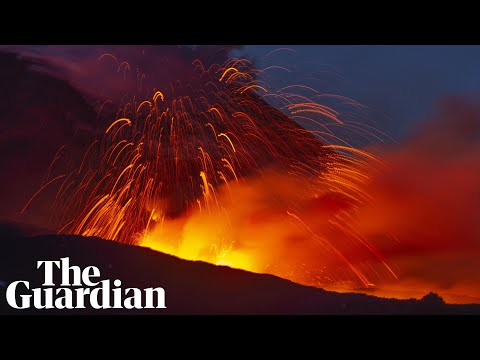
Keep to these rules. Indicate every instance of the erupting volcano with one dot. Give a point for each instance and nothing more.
(217, 169)
(215, 159)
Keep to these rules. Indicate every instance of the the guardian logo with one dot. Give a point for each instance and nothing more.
(83, 290)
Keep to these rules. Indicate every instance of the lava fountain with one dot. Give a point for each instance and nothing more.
(210, 170)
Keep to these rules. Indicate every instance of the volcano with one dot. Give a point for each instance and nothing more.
(204, 168)
(186, 165)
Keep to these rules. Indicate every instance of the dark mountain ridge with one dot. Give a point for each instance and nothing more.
(191, 287)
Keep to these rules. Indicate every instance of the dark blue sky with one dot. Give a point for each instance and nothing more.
(402, 84)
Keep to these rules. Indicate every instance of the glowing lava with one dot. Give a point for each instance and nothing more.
(211, 171)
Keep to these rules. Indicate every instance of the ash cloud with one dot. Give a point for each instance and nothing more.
(51, 102)
(428, 198)
(109, 72)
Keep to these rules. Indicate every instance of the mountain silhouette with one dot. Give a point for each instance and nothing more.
(191, 287)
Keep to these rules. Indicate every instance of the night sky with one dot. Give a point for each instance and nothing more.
(402, 83)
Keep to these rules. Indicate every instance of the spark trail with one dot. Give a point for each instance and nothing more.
(209, 170)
